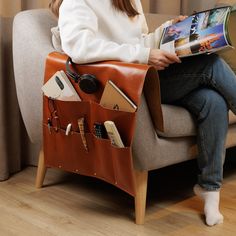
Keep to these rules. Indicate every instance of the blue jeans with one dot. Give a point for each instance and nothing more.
(206, 86)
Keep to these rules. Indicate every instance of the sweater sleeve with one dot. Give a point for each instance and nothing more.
(78, 26)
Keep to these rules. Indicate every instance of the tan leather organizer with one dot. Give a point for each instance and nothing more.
(101, 160)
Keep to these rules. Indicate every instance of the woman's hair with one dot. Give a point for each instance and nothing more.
(121, 5)
(54, 6)
(125, 6)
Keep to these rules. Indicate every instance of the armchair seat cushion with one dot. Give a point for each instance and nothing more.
(178, 122)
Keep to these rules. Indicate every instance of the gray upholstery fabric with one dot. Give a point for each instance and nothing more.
(178, 122)
(151, 151)
(31, 44)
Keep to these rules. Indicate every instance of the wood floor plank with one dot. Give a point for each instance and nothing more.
(75, 205)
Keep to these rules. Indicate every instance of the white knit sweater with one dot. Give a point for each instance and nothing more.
(92, 30)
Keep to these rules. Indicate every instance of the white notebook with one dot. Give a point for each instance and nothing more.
(59, 87)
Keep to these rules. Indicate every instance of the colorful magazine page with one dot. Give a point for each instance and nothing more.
(203, 32)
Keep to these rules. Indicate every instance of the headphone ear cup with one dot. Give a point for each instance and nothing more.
(88, 83)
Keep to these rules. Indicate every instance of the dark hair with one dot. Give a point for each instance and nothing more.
(54, 6)
(125, 6)
(121, 5)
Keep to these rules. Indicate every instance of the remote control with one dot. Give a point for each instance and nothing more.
(113, 134)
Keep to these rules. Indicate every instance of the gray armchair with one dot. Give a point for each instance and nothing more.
(152, 149)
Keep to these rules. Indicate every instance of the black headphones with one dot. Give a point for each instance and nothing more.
(87, 82)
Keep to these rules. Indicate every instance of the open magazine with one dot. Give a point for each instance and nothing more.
(202, 32)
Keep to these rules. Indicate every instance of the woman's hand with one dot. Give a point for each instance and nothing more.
(179, 19)
(162, 59)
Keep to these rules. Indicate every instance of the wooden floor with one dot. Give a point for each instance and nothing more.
(71, 205)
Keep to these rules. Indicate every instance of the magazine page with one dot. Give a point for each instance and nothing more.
(202, 32)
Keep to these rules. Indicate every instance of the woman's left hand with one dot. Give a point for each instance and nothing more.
(178, 19)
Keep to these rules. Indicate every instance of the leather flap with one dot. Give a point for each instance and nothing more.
(129, 77)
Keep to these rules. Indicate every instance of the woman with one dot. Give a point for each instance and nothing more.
(93, 30)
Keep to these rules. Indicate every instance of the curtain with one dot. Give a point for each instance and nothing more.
(170, 7)
(14, 143)
(188, 6)
(176, 7)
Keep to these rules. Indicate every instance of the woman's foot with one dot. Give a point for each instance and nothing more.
(211, 205)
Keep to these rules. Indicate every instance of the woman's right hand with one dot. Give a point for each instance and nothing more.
(162, 59)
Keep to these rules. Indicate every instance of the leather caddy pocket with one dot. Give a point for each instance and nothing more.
(113, 164)
(124, 121)
(68, 152)
(101, 160)
(70, 112)
(67, 113)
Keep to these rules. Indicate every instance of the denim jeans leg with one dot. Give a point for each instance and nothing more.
(223, 79)
(210, 110)
(200, 71)
(205, 85)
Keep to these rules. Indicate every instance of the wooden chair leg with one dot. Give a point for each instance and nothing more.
(41, 171)
(141, 179)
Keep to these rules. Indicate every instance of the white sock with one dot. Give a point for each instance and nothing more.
(211, 205)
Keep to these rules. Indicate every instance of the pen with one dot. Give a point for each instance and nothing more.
(68, 129)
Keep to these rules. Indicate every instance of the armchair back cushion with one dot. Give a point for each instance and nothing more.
(31, 45)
